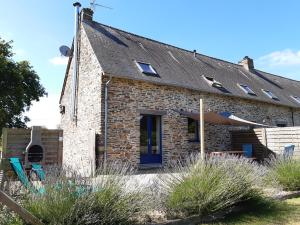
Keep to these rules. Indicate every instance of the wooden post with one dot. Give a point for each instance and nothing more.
(201, 129)
(4, 142)
(23, 213)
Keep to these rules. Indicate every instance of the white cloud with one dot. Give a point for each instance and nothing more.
(282, 58)
(59, 60)
(45, 112)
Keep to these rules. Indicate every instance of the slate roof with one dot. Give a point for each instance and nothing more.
(118, 50)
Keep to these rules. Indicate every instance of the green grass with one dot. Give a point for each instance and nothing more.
(272, 213)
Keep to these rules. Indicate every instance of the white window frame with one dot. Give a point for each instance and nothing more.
(243, 86)
(153, 71)
(213, 83)
(296, 98)
(270, 94)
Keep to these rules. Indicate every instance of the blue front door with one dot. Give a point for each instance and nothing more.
(150, 139)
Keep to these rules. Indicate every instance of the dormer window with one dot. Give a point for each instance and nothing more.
(146, 68)
(296, 98)
(270, 94)
(246, 89)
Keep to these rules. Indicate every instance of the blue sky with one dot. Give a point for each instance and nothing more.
(267, 31)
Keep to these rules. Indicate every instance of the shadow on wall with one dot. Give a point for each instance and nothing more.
(256, 138)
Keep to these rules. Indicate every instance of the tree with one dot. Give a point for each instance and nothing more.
(19, 86)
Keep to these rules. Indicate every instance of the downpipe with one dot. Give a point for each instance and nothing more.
(106, 120)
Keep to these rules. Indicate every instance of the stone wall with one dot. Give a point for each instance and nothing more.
(78, 151)
(128, 97)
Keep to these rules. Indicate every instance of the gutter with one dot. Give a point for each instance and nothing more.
(106, 119)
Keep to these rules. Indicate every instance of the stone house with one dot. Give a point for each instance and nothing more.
(131, 90)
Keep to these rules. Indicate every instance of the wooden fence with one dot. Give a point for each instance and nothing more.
(267, 140)
(277, 138)
(15, 141)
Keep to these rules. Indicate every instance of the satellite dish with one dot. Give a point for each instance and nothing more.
(65, 50)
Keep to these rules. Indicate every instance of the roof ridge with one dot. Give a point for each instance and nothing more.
(160, 42)
(186, 50)
(183, 49)
(276, 75)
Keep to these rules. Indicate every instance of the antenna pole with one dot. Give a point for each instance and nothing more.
(77, 6)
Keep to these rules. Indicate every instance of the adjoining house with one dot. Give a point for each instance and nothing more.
(134, 96)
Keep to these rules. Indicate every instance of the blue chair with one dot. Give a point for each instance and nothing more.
(18, 168)
(288, 151)
(248, 150)
(38, 170)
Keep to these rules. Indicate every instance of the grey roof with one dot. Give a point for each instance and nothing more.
(118, 50)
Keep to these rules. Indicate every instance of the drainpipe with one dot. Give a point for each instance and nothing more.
(77, 6)
(293, 119)
(106, 120)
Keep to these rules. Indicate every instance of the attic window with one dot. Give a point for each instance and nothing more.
(213, 82)
(270, 94)
(296, 98)
(246, 89)
(146, 68)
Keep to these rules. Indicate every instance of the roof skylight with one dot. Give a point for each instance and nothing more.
(296, 98)
(246, 89)
(213, 82)
(216, 84)
(270, 94)
(146, 68)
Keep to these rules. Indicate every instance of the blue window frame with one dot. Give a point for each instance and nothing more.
(150, 139)
(193, 130)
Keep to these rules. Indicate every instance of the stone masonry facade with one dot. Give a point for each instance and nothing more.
(128, 98)
(77, 152)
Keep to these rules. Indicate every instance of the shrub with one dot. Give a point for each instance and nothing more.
(9, 218)
(74, 200)
(204, 187)
(286, 171)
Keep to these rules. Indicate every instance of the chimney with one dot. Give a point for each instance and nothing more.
(87, 14)
(247, 63)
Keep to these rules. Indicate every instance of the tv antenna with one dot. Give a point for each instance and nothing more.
(93, 5)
